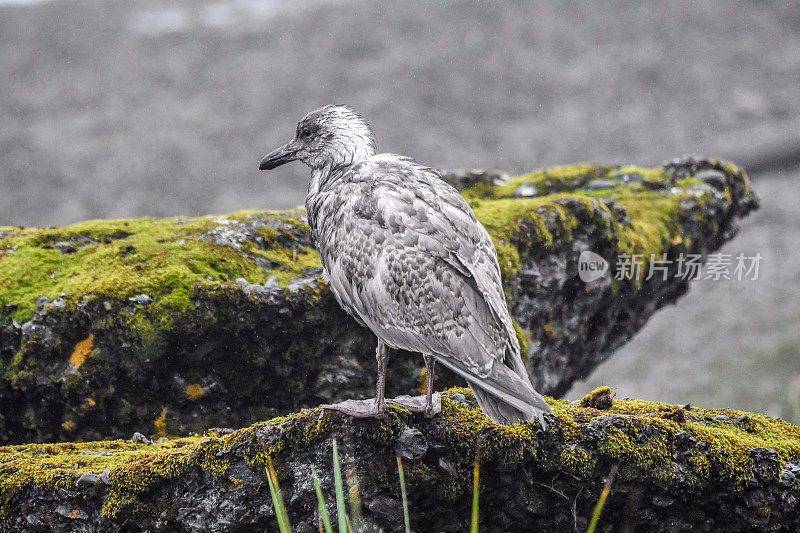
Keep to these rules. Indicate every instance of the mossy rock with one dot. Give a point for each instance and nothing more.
(678, 468)
(169, 326)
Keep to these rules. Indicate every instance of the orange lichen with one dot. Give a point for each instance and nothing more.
(550, 330)
(194, 391)
(161, 424)
(82, 351)
(423, 381)
(75, 513)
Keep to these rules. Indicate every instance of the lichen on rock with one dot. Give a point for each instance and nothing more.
(141, 316)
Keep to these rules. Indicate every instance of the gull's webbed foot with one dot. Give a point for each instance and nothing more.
(368, 408)
(418, 404)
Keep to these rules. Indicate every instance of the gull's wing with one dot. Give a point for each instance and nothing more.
(409, 258)
(415, 209)
(425, 232)
(434, 283)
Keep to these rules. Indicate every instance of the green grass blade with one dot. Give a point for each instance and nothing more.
(602, 501)
(277, 500)
(403, 492)
(349, 527)
(326, 519)
(337, 478)
(278, 515)
(475, 492)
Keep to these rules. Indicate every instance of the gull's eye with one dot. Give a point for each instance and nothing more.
(305, 133)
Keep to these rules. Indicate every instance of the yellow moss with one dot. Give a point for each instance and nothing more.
(554, 179)
(653, 223)
(524, 340)
(653, 214)
(635, 454)
(649, 174)
(82, 350)
(194, 391)
(599, 398)
(502, 219)
(172, 259)
(169, 259)
(268, 234)
(641, 441)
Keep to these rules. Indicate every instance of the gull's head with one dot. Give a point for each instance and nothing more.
(330, 137)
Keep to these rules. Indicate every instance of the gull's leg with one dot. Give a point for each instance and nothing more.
(382, 355)
(371, 407)
(430, 360)
(431, 403)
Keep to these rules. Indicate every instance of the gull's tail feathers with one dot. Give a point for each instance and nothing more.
(503, 395)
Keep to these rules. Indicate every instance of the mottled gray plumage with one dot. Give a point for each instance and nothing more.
(405, 255)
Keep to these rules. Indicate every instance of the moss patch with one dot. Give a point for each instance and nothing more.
(168, 259)
(600, 398)
(171, 259)
(147, 317)
(641, 436)
(653, 210)
(644, 438)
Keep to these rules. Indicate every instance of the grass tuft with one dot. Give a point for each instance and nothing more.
(602, 501)
(277, 499)
(475, 492)
(323, 511)
(337, 478)
(403, 493)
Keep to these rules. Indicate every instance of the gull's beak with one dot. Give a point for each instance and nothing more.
(278, 157)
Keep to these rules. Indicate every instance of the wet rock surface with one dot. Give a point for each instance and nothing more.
(257, 333)
(696, 474)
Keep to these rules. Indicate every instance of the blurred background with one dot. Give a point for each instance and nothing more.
(127, 108)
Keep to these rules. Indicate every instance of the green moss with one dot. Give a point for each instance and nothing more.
(523, 338)
(599, 398)
(503, 218)
(652, 175)
(172, 259)
(641, 439)
(169, 259)
(654, 215)
(653, 222)
(556, 179)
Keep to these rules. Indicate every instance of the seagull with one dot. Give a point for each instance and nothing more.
(406, 257)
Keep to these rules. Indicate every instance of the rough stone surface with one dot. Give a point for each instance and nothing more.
(526, 190)
(599, 185)
(678, 469)
(411, 444)
(223, 321)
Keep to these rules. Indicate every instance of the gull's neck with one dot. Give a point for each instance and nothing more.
(332, 168)
(325, 174)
